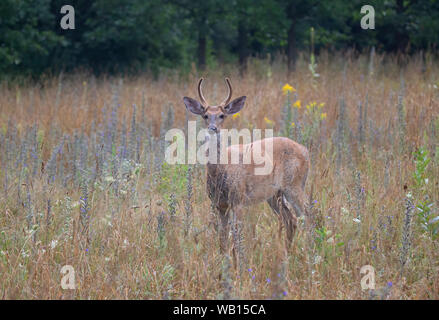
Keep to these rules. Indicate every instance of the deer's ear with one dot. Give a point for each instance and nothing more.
(235, 106)
(193, 105)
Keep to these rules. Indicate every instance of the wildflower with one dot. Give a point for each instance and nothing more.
(293, 125)
(268, 280)
(318, 259)
(323, 116)
(287, 88)
(311, 106)
(285, 293)
(297, 104)
(268, 121)
(236, 115)
(53, 243)
(321, 105)
(356, 220)
(109, 179)
(249, 270)
(389, 284)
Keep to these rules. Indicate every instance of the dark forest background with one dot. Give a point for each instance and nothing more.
(121, 35)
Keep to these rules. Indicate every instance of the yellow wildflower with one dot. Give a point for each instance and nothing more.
(297, 104)
(323, 115)
(236, 115)
(268, 121)
(321, 105)
(287, 88)
(293, 125)
(311, 106)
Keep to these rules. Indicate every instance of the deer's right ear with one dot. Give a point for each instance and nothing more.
(193, 105)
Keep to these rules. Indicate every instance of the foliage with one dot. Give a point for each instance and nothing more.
(427, 218)
(27, 37)
(121, 35)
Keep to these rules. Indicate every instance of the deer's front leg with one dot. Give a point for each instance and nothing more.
(238, 239)
(223, 229)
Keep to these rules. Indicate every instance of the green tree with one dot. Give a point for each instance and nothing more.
(26, 36)
(134, 32)
(260, 27)
(202, 16)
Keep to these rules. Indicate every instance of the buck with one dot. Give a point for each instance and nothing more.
(233, 186)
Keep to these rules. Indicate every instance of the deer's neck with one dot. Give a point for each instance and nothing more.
(215, 147)
(216, 175)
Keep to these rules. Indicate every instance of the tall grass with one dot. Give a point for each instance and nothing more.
(83, 183)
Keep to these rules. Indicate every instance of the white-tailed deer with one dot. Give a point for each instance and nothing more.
(231, 186)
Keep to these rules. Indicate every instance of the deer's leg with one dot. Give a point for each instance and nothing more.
(290, 221)
(296, 197)
(274, 203)
(238, 240)
(285, 216)
(223, 229)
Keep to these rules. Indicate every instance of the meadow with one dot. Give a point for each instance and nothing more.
(83, 182)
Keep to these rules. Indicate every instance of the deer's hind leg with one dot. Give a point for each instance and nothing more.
(297, 199)
(290, 223)
(274, 203)
(285, 216)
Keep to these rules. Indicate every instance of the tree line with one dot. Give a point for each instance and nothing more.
(116, 35)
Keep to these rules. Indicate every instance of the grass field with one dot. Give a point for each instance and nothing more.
(83, 183)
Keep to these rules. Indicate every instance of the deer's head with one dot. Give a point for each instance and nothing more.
(214, 116)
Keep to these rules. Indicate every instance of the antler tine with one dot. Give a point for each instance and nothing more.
(229, 95)
(200, 93)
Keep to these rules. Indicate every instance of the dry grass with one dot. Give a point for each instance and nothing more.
(130, 247)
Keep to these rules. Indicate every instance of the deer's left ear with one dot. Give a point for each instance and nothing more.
(235, 106)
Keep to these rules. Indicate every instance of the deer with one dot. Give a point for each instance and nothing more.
(231, 187)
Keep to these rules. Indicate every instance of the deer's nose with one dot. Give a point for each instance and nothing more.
(212, 129)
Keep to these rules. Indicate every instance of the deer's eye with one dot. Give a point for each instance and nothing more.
(221, 116)
(205, 116)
